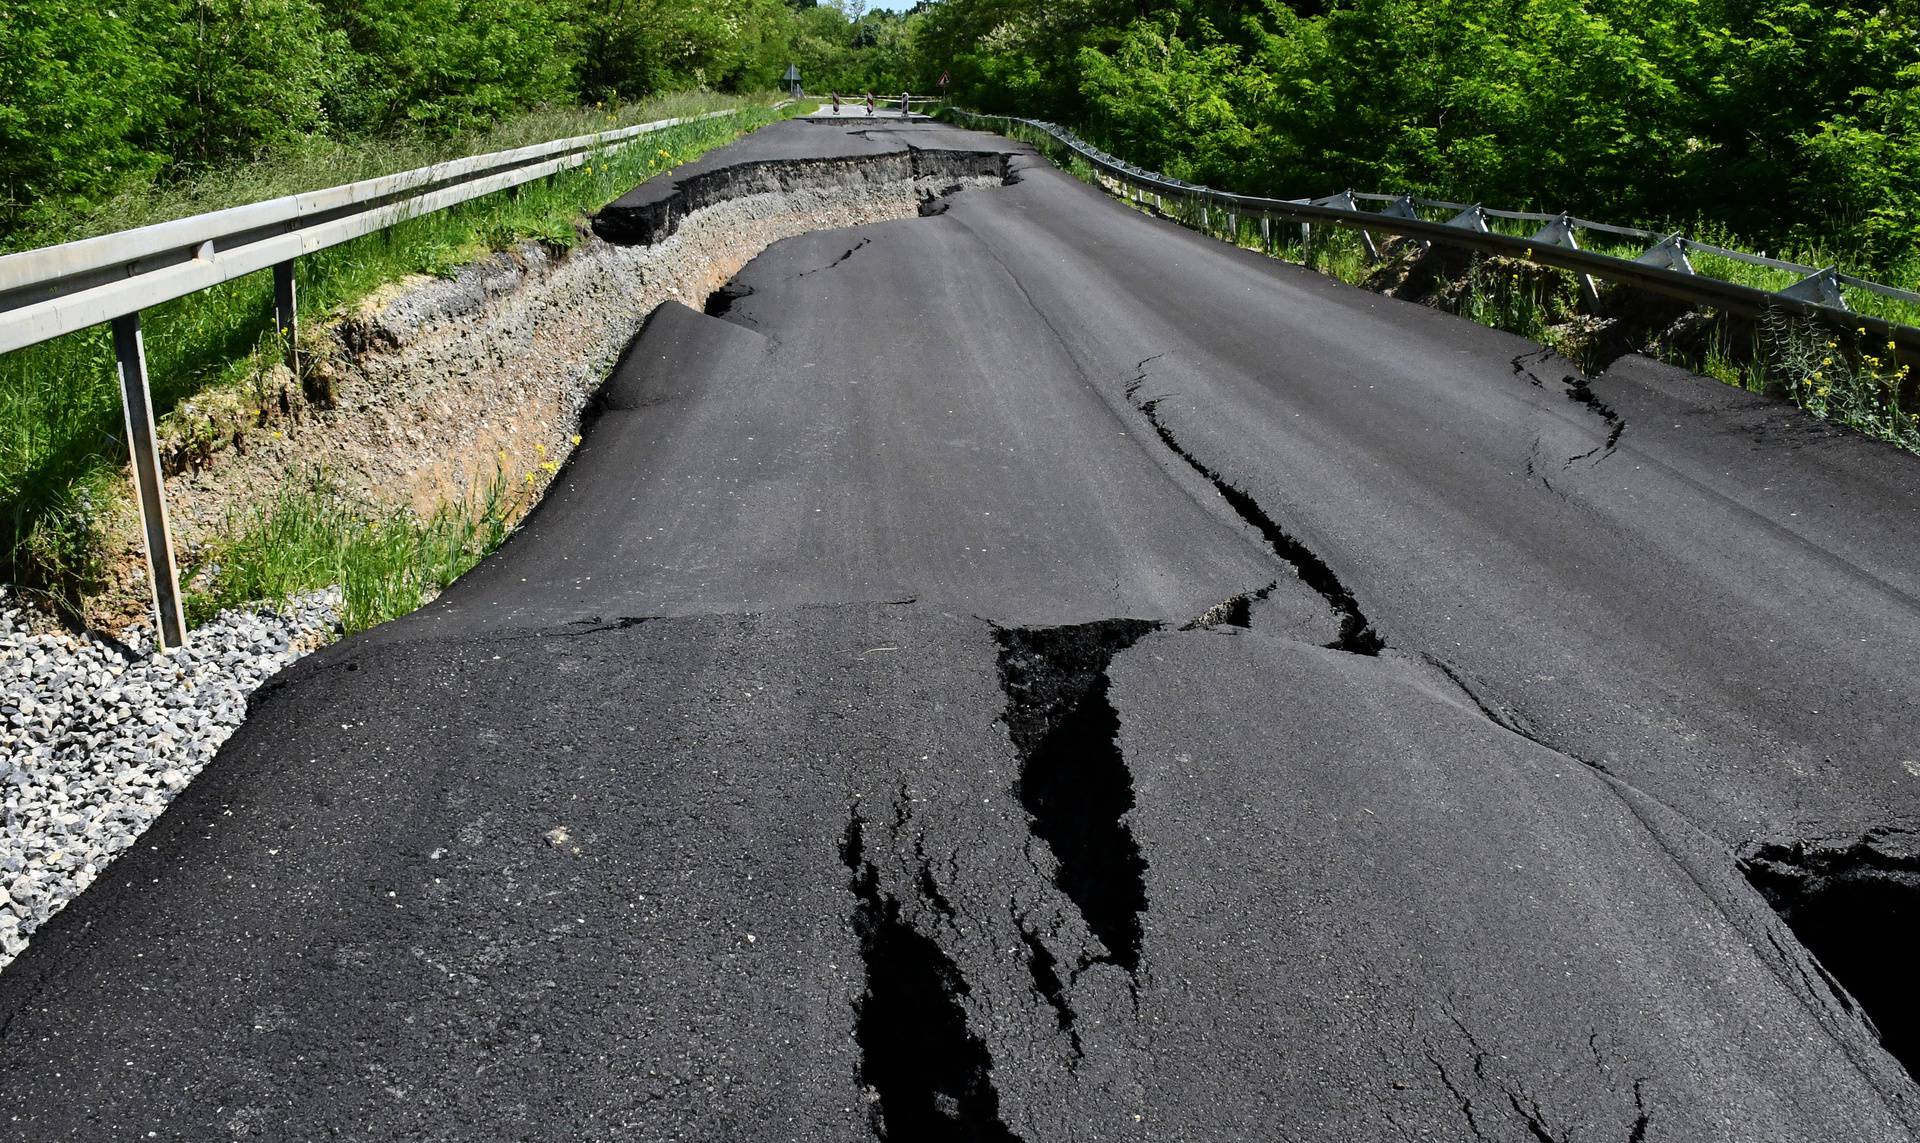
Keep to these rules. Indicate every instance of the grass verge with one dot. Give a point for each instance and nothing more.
(1835, 375)
(310, 535)
(61, 446)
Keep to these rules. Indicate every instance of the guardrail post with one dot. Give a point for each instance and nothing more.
(285, 315)
(1402, 207)
(1266, 234)
(1473, 218)
(1345, 201)
(1821, 287)
(136, 400)
(1559, 232)
(1669, 254)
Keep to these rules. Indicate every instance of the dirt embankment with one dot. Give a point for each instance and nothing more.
(434, 389)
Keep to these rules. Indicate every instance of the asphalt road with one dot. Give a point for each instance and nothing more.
(1030, 672)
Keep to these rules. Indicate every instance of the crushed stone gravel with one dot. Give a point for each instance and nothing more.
(98, 735)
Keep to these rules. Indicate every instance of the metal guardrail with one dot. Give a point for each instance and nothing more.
(1664, 268)
(61, 289)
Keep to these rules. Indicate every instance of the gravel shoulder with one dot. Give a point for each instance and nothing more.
(98, 736)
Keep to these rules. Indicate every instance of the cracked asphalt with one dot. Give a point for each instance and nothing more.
(1032, 672)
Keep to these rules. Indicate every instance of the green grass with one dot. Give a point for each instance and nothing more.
(311, 536)
(325, 162)
(61, 450)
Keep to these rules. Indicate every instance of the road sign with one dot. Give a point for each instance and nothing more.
(793, 74)
(946, 77)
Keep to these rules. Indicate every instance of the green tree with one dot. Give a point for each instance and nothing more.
(244, 76)
(79, 92)
(637, 47)
(442, 65)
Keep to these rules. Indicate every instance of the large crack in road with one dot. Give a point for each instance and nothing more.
(1357, 635)
(974, 774)
(1073, 778)
(931, 1078)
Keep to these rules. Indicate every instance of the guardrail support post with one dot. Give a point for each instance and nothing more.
(1559, 232)
(1473, 218)
(1669, 254)
(285, 314)
(1345, 201)
(1821, 287)
(1402, 207)
(136, 400)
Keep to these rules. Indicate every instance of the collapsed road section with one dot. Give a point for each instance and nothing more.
(835, 753)
(795, 156)
(434, 392)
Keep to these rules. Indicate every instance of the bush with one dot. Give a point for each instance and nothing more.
(80, 95)
(1784, 121)
(310, 536)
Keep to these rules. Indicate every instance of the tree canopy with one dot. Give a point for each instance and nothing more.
(1776, 121)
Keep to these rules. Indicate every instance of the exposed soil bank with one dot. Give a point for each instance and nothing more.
(657, 209)
(433, 389)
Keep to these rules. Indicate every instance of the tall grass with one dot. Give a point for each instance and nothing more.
(325, 162)
(61, 444)
(1833, 375)
(310, 535)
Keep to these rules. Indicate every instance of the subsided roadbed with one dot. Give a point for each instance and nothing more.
(1030, 672)
(796, 154)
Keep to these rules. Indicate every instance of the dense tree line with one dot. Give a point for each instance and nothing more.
(100, 95)
(1779, 120)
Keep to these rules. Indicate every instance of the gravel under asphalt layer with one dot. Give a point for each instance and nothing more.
(97, 737)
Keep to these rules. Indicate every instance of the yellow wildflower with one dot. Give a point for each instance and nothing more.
(576, 438)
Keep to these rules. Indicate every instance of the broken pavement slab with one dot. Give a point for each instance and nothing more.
(896, 672)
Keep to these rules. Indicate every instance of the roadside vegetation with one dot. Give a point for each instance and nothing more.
(61, 453)
(309, 535)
